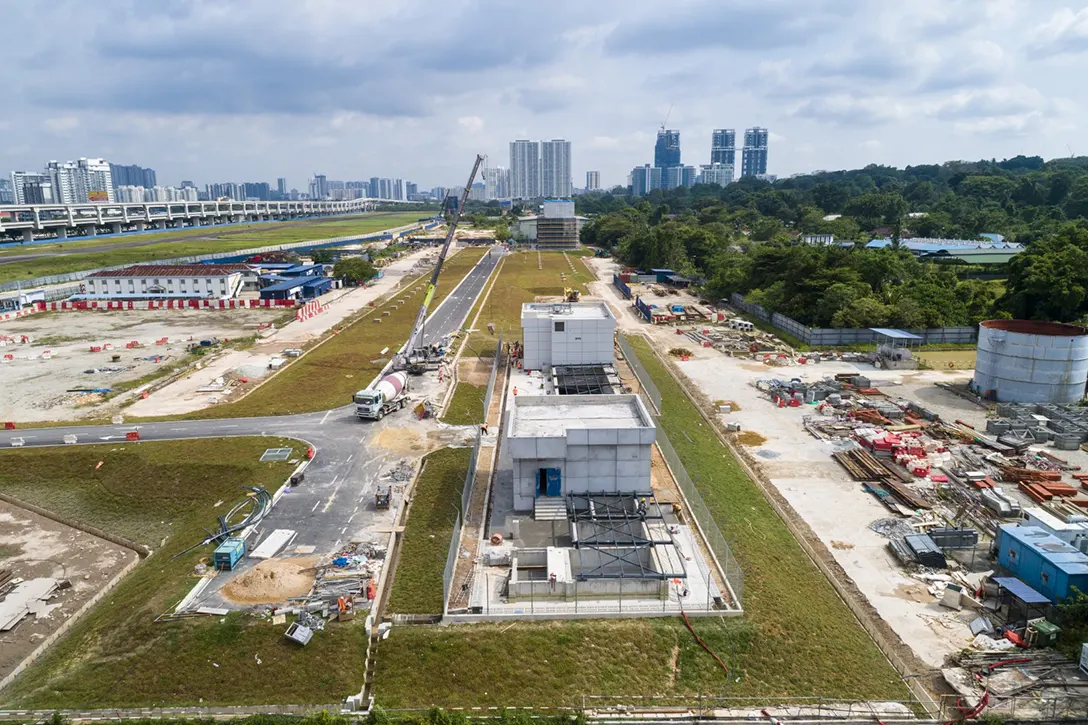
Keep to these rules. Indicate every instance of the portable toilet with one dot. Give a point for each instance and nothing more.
(228, 554)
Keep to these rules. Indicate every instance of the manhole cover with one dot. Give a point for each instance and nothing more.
(275, 454)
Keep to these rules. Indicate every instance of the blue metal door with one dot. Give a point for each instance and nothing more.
(554, 482)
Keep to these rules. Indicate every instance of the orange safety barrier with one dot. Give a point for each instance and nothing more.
(132, 435)
(310, 452)
(9, 425)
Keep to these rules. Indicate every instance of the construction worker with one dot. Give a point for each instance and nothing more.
(642, 507)
(483, 427)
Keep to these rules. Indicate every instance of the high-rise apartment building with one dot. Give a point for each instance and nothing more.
(82, 181)
(723, 147)
(256, 190)
(720, 174)
(133, 175)
(410, 189)
(496, 183)
(281, 186)
(555, 181)
(667, 149)
(7, 192)
(32, 187)
(319, 187)
(754, 155)
(525, 169)
(645, 179)
(228, 190)
(593, 180)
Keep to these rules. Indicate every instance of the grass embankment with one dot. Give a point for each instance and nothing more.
(466, 406)
(117, 656)
(191, 242)
(417, 581)
(796, 639)
(520, 281)
(329, 375)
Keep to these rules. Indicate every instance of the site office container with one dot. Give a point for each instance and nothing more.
(1041, 560)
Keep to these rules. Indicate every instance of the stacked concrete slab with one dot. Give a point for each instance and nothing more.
(1065, 425)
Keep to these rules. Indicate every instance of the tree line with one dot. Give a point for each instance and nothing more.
(744, 238)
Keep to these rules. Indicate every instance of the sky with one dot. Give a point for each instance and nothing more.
(249, 90)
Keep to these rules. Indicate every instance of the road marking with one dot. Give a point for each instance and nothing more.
(352, 516)
(356, 508)
(230, 426)
(332, 496)
(327, 412)
(316, 503)
(179, 429)
(350, 457)
(343, 530)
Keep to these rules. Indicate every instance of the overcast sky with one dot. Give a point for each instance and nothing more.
(254, 89)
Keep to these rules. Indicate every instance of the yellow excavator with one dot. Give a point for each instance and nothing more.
(570, 294)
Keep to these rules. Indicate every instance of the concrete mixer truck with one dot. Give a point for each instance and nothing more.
(388, 394)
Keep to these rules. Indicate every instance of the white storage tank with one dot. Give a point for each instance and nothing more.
(1022, 361)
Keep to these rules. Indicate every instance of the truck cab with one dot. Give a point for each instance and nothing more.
(368, 404)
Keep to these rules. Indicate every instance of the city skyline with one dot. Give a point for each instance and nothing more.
(926, 84)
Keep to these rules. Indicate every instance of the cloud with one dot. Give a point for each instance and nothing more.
(736, 24)
(61, 124)
(472, 124)
(849, 110)
(1065, 32)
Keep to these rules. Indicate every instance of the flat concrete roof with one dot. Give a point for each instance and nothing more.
(567, 310)
(552, 416)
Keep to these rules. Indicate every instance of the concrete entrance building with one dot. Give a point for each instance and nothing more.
(576, 444)
(567, 333)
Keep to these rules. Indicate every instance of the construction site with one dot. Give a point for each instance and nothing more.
(925, 492)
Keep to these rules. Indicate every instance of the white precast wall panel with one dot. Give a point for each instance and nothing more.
(579, 333)
(1021, 361)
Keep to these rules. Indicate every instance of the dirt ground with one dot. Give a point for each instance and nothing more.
(411, 441)
(801, 472)
(273, 581)
(33, 546)
(949, 359)
(41, 378)
(474, 370)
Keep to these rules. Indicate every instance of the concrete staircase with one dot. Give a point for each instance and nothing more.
(550, 508)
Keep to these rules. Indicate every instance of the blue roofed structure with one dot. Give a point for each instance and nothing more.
(1041, 560)
(894, 334)
(298, 288)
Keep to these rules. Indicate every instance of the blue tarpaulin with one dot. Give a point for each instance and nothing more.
(895, 334)
(1020, 590)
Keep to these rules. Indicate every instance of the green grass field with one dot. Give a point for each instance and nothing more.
(328, 376)
(417, 581)
(796, 639)
(116, 655)
(466, 406)
(521, 281)
(167, 246)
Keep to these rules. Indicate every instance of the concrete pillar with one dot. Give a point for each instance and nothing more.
(160, 225)
(141, 226)
(92, 230)
(62, 233)
(179, 224)
(28, 235)
(115, 227)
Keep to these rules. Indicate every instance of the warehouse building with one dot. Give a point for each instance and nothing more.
(165, 281)
(566, 333)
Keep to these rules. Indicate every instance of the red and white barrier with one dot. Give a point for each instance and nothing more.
(20, 313)
(310, 309)
(111, 305)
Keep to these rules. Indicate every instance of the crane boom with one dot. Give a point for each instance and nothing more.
(417, 328)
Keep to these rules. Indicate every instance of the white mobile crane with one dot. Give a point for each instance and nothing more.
(415, 356)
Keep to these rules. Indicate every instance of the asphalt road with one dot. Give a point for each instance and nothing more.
(335, 503)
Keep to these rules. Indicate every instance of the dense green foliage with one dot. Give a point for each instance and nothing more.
(354, 270)
(743, 238)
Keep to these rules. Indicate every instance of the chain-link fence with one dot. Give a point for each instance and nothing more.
(451, 565)
(699, 511)
(470, 475)
(712, 535)
(497, 361)
(649, 391)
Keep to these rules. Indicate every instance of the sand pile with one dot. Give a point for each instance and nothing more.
(273, 581)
